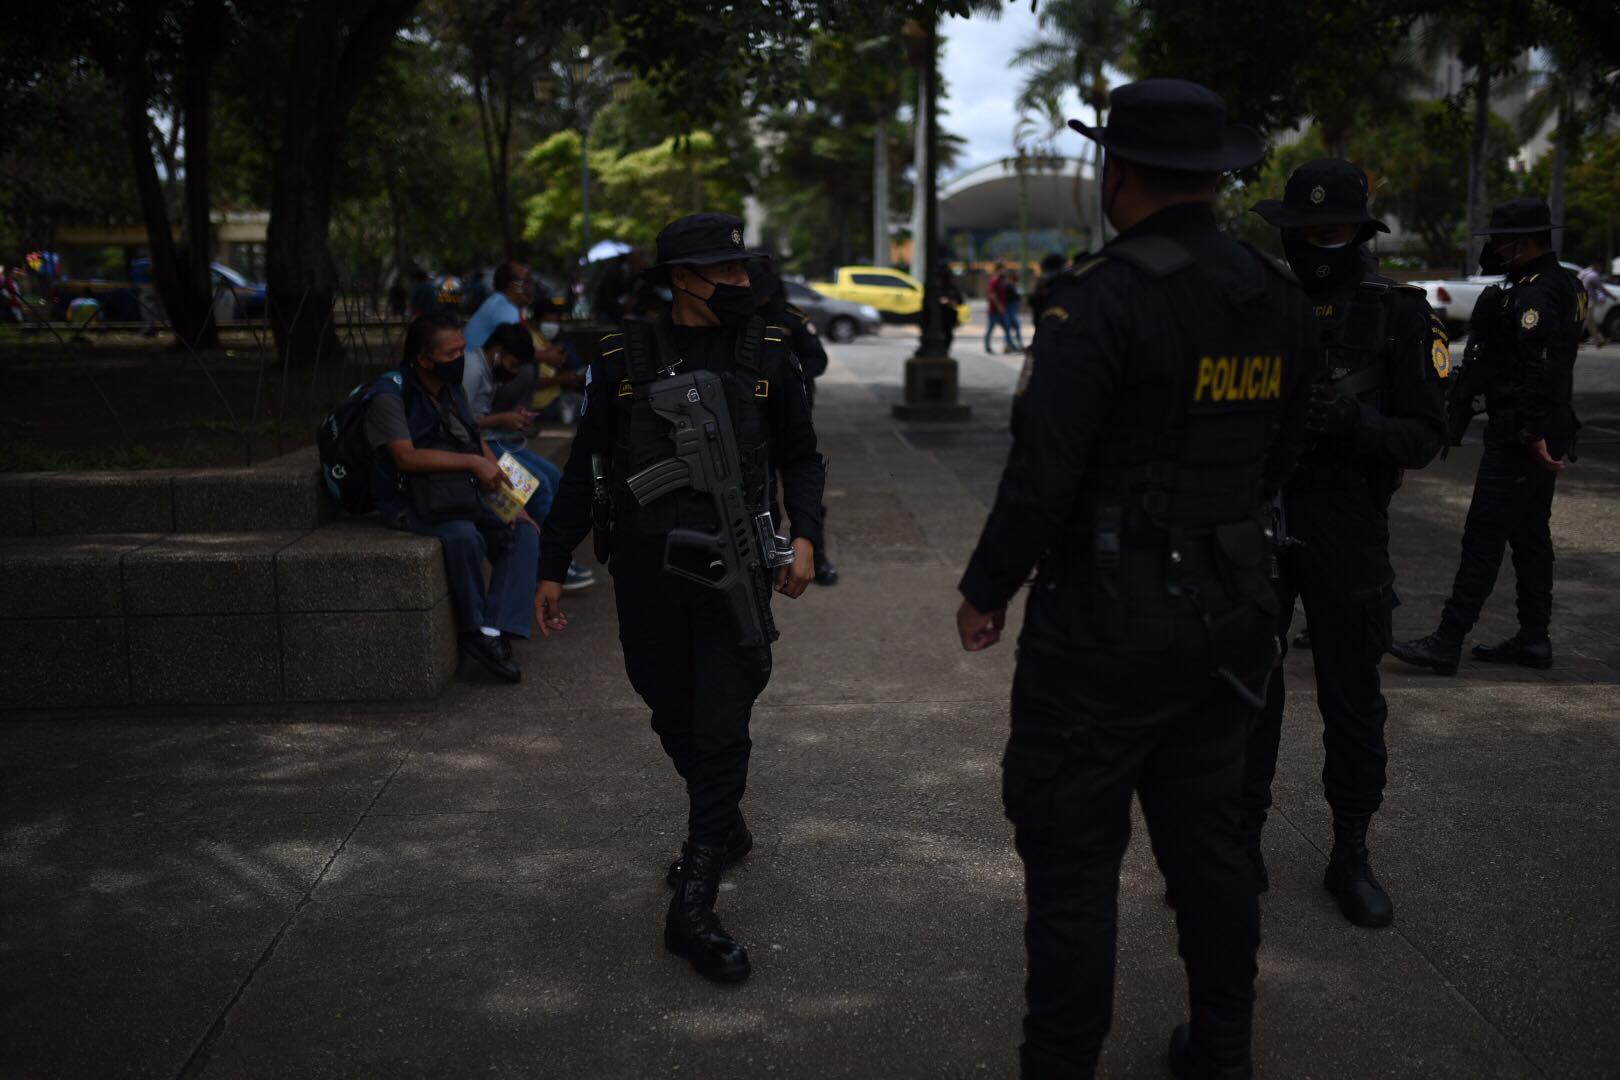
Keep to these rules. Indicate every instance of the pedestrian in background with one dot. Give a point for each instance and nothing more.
(1597, 299)
(1011, 301)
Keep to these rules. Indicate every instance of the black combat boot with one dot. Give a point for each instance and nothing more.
(738, 844)
(1516, 650)
(1350, 877)
(1186, 1063)
(692, 930)
(826, 572)
(1435, 652)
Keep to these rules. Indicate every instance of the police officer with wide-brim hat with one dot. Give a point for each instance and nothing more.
(1327, 191)
(1376, 408)
(1528, 333)
(1160, 402)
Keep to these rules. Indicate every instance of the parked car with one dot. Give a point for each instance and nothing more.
(837, 320)
(1453, 299)
(894, 293)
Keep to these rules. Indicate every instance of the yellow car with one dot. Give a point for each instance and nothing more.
(895, 293)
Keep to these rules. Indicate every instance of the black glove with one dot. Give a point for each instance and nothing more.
(1330, 412)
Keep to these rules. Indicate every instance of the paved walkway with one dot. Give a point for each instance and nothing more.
(475, 886)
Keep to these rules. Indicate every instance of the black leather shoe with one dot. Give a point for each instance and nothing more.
(1302, 640)
(1350, 878)
(692, 931)
(1536, 655)
(1433, 652)
(493, 654)
(1186, 1064)
(738, 844)
(826, 572)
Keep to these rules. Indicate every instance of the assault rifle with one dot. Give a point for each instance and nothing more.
(739, 558)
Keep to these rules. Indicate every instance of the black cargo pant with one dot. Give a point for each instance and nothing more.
(1512, 504)
(1092, 727)
(681, 653)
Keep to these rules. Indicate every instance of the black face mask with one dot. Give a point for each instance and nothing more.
(503, 374)
(450, 373)
(731, 304)
(1491, 261)
(1321, 269)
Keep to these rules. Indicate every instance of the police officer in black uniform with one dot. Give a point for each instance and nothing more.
(680, 642)
(1377, 408)
(1162, 404)
(805, 344)
(1529, 355)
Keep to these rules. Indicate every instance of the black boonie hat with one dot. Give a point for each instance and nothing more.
(701, 240)
(1174, 124)
(1327, 191)
(1524, 215)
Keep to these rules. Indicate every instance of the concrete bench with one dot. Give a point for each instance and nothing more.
(214, 587)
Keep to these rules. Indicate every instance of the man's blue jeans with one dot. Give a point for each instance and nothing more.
(513, 552)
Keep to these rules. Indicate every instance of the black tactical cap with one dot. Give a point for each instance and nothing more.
(1524, 215)
(1174, 124)
(1327, 191)
(701, 240)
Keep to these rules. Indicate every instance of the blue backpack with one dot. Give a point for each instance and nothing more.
(345, 452)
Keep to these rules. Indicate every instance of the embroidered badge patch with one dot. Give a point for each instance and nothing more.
(1530, 318)
(1441, 357)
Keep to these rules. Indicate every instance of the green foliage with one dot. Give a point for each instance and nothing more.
(633, 195)
(62, 158)
(1591, 198)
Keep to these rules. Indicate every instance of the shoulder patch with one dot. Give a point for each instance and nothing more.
(1054, 311)
(1440, 357)
(1529, 318)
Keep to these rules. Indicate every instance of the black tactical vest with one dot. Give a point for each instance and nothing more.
(643, 436)
(1173, 492)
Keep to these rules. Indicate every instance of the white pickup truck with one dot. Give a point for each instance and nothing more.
(1453, 300)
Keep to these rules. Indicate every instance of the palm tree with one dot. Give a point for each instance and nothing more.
(1076, 42)
(1482, 39)
(1558, 93)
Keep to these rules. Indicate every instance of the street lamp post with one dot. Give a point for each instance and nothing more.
(580, 72)
(931, 374)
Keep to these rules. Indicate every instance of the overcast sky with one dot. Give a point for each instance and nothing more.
(982, 84)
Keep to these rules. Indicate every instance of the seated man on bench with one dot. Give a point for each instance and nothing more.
(429, 482)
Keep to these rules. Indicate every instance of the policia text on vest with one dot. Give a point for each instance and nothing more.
(1239, 378)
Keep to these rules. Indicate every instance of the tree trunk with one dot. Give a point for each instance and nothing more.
(933, 342)
(336, 49)
(880, 193)
(200, 48)
(186, 310)
(1555, 189)
(1478, 153)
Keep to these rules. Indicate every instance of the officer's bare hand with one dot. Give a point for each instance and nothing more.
(979, 629)
(793, 579)
(548, 612)
(489, 474)
(1538, 450)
